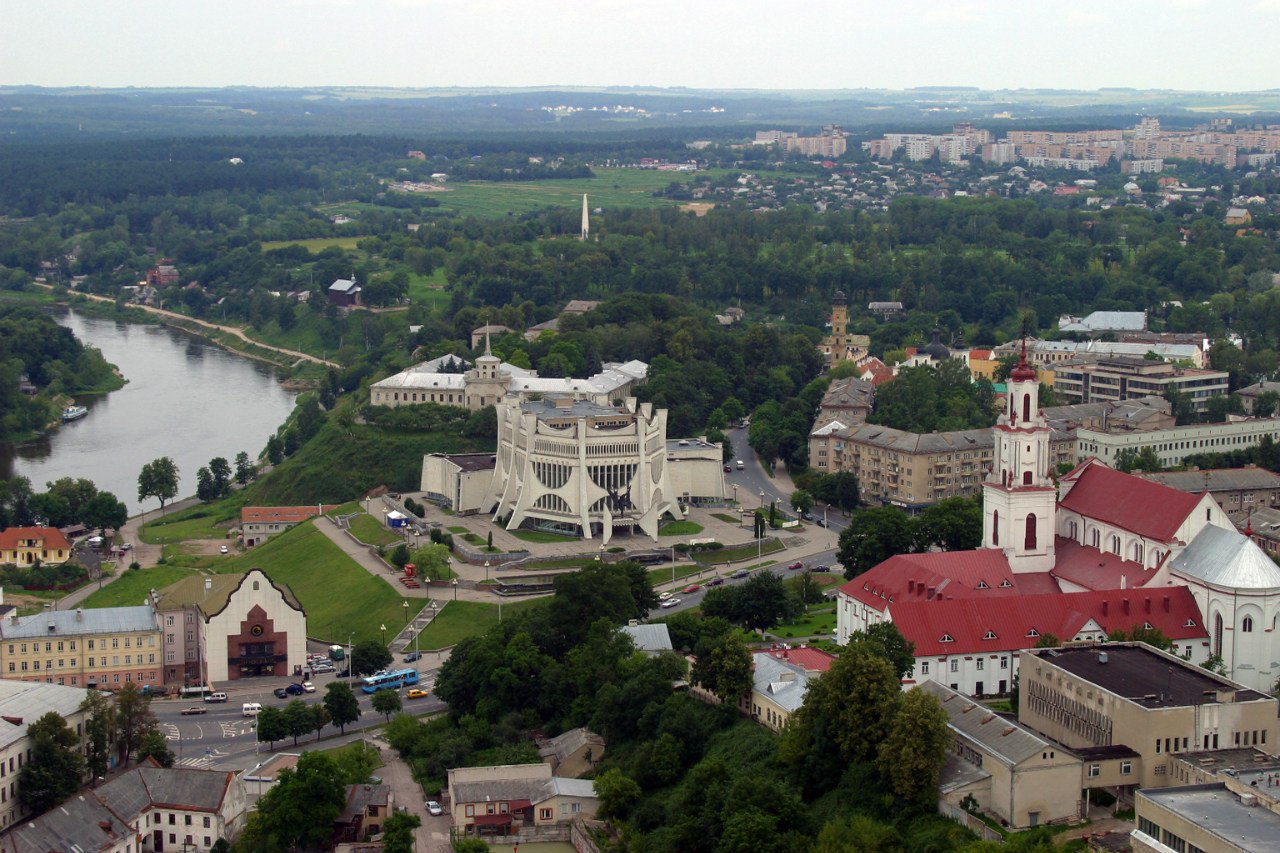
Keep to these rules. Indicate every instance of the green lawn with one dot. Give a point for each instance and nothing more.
(428, 290)
(368, 530)
(741, 552)
(610, 188)
(339, 596)
(660, 576)
(462, 619)
(818, 619)
(456, 529)
(197, 522)
(131, 588)
(314, 246)
(726, 518)
(544, 538)
(680, 528)
(566, 563)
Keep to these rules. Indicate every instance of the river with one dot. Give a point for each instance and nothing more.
(185, 398)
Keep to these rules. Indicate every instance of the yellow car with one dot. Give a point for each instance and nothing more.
(417, 693)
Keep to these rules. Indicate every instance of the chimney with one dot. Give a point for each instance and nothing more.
(79, 614)
(930, 594)
(1125, 606)
(1102, 657)
(208, 584)
(1146, 604)
(1106, 606)
(911, 585)
(1166, 604)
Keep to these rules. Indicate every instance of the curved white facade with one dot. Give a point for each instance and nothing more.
(581, 466)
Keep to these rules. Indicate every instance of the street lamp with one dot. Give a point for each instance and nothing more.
(760, 540)
(455, 589)
(406, 614)
(384, 634)
(350, 672)
(486, 569)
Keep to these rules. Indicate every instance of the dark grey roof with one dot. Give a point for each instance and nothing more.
(29, 700)
(1257, 388)
(1001, 737)
(80, 824)
(649, 638)
(1218, 479)
(1216, 810)
(69, 623)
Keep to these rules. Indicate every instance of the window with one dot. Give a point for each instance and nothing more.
(1095, 770)
(995, 528)
(1029, 540)
(1004, 663)
(1033, 633)
(955, 666)
(470, 811)
(924, 667)
(980, 662)
(207, 823)
(1247, 625)
(947, 638)
(1126, 767)
(545, 814)
(990, 635)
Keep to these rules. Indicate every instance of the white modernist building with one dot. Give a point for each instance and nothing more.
(580, 467)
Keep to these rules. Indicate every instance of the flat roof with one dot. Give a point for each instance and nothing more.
(1218, 812)
(1142, 675)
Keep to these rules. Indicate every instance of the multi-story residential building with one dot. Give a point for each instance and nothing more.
(25, 546)
(848, 401)
(1123, 378)
(260, 523)
(1209, 818)
(150, 809)
(780, 678)
(1239, 491)
(1042, 354)
(1133, 695)
(1152, 166)
(1175, 444)
(230, 627)
(103, 647)
(1012, 772)
(1249, 394)
(22, 703)
(1263, 527)
(504, 798)
(583, 468)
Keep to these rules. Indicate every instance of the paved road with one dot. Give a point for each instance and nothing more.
(693, 599)
(754, 479)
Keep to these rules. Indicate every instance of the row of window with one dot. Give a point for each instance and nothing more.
(979, 664)
(70, 645)
(1166, 837)
(21, 666)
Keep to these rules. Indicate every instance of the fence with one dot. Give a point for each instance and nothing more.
(969, 821)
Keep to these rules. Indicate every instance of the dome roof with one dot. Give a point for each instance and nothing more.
(1226, 558)
(936, 349)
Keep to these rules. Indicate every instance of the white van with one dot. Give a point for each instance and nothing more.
(218, 696)
(250, 709)
(740, 465)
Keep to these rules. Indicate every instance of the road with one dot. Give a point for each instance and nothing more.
(754, 479)
(224, 739)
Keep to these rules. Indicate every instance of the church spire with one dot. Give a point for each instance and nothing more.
(487, 351)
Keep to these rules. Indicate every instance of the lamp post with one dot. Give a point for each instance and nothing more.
(486, 570)
(350, 673)
(406, 614)
(383, 627)
(760, 540)
(455, 589)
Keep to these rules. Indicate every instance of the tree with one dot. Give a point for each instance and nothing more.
(724, 667)
(158, 479)
(320, 718)
(953, 524)
(299, 719)
(857, 834)
(397, 832)
(911, 757)
(369, 656)
(154, 745)
(341, 704)
(357, 762)
(1138, 459)
(133, 719)
(598, 590)
(221, 471)
(1266, 403)
(272, 726)
(275, 450)
(387, 702)
(763, 602)
(104, 510)
(244, 468)
(431, 561)
(299, 810)
(616, 793)
(887, 641)
(873, 536)
(205, 488)
(99, 728)
(801, 501)
(55, 768)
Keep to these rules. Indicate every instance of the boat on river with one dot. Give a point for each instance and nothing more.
(71, 413)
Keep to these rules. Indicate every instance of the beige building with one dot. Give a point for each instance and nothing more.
(103, 647)
(22, 703)
(581, 468)
(1238, 491)
(502, 799)
(458, 481)
(1210, 818)
(1013, 773)
(695, 468)
(260, 523)
(25, 546)
(229, 627)
(1249, 394)
(779, 680)
(1126, 377)
(848, 401)
(1130, 694)
(1175, 444)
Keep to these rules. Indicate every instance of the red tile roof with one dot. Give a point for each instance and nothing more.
(1132, 503)
(1092, 569)
(281, 514)
(812, 660)
(983, 573)
(975, 626)
(51, 537)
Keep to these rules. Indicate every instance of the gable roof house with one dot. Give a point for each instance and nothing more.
(501, 799)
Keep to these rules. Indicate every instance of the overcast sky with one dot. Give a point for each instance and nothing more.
(773, 44)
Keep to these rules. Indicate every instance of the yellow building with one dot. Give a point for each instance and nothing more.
(25, 546)
(102, 647)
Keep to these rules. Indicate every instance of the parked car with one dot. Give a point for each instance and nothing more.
(663, 596)
(821, 568)
(692, 588)
(417, 693)
(216, 696)
(670, 602)
(715, 582)
(324, 667)
(411, 657)
(740, 574)
(295, 690)
(308, 687)
(821, 522)
(434, 808)
(728, 469)
(224, 550)
(796, 566)
(126, 546)
(346, 673)
(281, 693)
(194, 709)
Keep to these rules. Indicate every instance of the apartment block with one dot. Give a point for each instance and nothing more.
(103, 647)
(1125, 377)
(1174, 445)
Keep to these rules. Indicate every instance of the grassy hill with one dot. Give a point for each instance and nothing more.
(340, 597)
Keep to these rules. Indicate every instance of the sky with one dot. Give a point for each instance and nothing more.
(1208, 45)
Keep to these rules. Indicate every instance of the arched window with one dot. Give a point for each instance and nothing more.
(1246, 626)
(1208, 513)
(1026, 407)
(1026, 478)
(1115, 544)
(1217, 635)
(1029, 542)
(1095, 538)
(1072, 529)
(995, 527)
(1137, 552)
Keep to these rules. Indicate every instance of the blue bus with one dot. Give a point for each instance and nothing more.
(395, 680)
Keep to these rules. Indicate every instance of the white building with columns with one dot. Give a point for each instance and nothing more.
(1094, 529)
(581, 468)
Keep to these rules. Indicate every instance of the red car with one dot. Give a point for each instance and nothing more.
(796, 566)
(693, 587)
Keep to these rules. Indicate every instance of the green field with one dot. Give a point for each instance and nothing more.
(544, 538)
(818, 619)
(368, 530)
(462, 619)
(197, 522)
(661, 576)
(610, 188)
(314, 246)
(428, 290)
(742, 552)
(339, 596)
(680, 528)
(131, 588)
